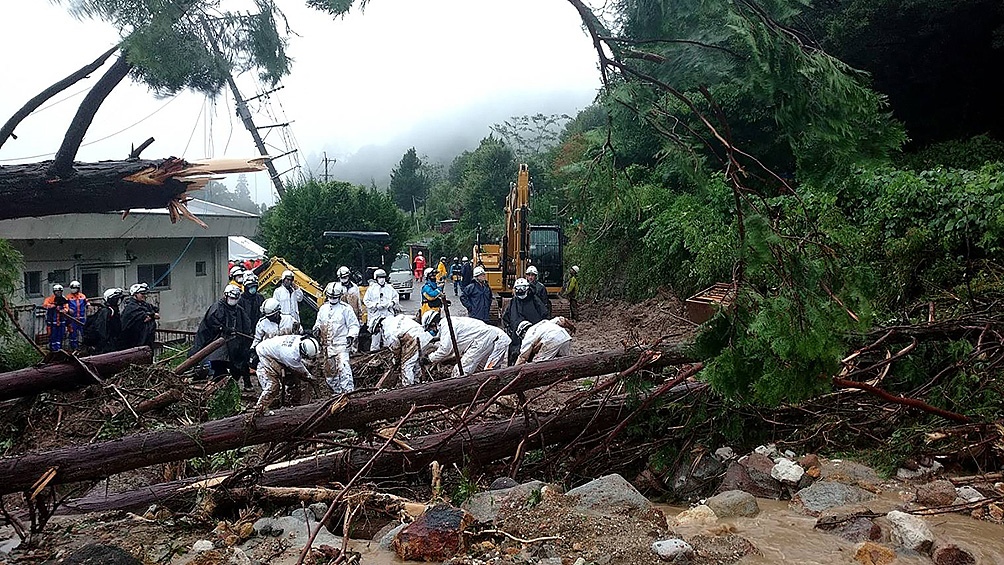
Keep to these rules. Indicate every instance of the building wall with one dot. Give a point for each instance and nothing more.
(115, 262)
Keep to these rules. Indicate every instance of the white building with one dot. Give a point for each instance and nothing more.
(184, 263)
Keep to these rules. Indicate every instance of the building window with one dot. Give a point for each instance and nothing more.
(90, 283)
(200, 268)
(61, 276)
(33, 283)
(154, 275)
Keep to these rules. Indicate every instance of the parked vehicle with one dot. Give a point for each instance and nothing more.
(401, 276)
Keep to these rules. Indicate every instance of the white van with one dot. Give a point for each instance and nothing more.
(401, 277)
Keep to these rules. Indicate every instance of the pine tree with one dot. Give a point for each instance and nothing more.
(408, 183)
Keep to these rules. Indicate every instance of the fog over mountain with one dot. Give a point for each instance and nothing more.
(440, 138)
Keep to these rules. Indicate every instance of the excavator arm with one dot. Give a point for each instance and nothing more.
(271, 273)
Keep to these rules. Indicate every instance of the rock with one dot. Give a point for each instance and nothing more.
(609, 493)
(769, 451)
(386, 540)
(503, 483)
(318, 509)
(947, 553)
(849, 472)
(9, 542)
(100, 554)
(809, 460)
(436, 535)
(301, 515)
(733, 503)
(673, 550)
(580, 561)
(922, 472)
(823, 495)
(202, 545)
(936, 493)
(295, 530)
(910, 532)
(969, 494)
(485, 506)
(870, 553)
(549, 561)
(725, 454)
(695, 478)
(725, 548)
(787, 471)
(238, 557)
(700, 515)
(752, 474)
(853, 526)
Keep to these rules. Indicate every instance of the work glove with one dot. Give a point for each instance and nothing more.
(424, 361)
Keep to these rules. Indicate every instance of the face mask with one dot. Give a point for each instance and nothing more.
(332, 301)
(381, 281)
(287, 283)
(232, 301)
(344, 281)
(275, 318)
(433, 332)
(253, 289)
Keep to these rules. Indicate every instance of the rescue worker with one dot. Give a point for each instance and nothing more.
(523, 306)
(407, 339)
(250, 303)
(571, 292)
(350, 293)
(225, 318)
(456, 270)
(101, 332)
(273, 322)
(477, 297)
(481, 347)
(442, 272)
(56, 309)
(76, 303)
(289, 296)
(466, 273)
(544, 340)
(139, 318)
(381, 302)
(338, 328)
(538, 288)
(236, 275)
(432, 296)
(275, 354)
(419, 264)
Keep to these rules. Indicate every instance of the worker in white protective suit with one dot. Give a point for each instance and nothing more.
(480, 346)
(381, 302)
(289, 295)
(408, 340)
(338, 328)
(289, 352)
(544, 340)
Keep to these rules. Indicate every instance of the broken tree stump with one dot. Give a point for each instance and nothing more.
(100, 460)
(68, 376)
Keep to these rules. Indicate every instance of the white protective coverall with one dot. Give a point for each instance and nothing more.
(481, 346)
(381, 302)
(275, 354)
(545, 340)
(266, 328)
(289, 300)
(403, 335)
(336, 323)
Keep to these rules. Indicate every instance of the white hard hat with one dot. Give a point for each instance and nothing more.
(139, 288)
(75, 284)
(232, 291)
(575, 269)
(521, 284)
(113, 292)
(236, 270)
(465, 258)
(379, 273)
(309, 347)
(430, 272)
(250, 278)
(523, 326)
(429, 318)
(287, 274)
(419, 253)
(531, 270)
(343, 271)
(270, 306)
(478, 271)
(57, 288)
(334, 290)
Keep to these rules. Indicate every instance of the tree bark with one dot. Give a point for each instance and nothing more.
(99, 460)
(68, 376)
(482, 444)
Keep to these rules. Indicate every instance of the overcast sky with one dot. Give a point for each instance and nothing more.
(394, 76)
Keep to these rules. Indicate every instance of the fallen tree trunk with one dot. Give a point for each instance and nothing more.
(100, 460)
(200, 355)
(481, 444)
(68, 376)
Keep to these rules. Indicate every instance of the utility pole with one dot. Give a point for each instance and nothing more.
(326, 161)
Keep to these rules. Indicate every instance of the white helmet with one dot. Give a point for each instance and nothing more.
(74, 285)
(381, 276)
(343, 272)
(57, 288)
(521, 288)
(575, 269)
(287, 274)
(478, 271)
(309, 347)
(522, 328)
(430, 318)
(270, 306)
(138, 288)
(419, 253)
(232, 291)
(430, 272)
(531, 270)
(250, 278)
(466, 259)
(235, 271)
(334, 290)
(112, 293)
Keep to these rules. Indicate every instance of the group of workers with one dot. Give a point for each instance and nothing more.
(122, 321)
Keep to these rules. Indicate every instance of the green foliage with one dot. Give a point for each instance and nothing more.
(970, 153)
(408, 183)
(10, 269)
(222, 461)
(485, 180)
(225, 402)
(293, 228)
(529, 136)
(16, 353)
(240, 198)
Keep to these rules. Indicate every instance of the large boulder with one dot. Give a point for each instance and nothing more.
(673, 550)
(733, 503)
(485, 506)
(100, 554)
(610, 494)
(295, 530)
(936, 493)
(436, 535)
(910, 532)
(787, 471)
(950, 553)
(697, 477)
(854, 525)
(722, 549)
(700, 515)
(752, 474)
(823, 495)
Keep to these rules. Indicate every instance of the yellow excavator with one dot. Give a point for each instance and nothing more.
(522, 244)
(271, 273)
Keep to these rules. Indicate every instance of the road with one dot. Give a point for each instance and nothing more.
(414, 302)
